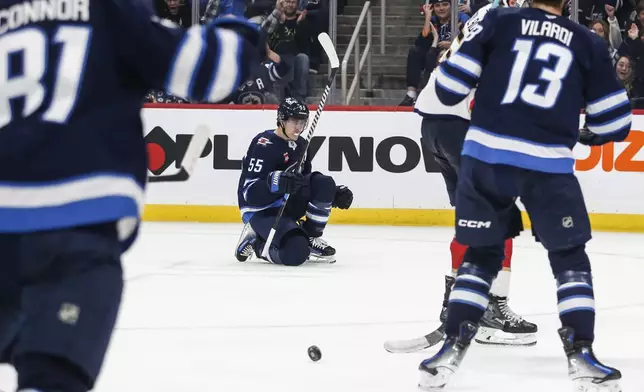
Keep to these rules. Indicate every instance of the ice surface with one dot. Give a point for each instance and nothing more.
(195, 319)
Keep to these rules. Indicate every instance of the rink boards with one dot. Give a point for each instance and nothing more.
(376, 151)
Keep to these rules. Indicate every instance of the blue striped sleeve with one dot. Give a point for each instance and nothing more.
(608, 109)
(215, 78)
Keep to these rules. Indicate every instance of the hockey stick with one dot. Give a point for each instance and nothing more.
(190, 158)
(334, 63)
(416, 344)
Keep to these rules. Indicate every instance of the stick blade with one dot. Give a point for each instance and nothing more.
(329, 49)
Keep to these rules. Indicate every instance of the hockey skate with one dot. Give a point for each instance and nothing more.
(321, 251)
(245, 245)
(501, 326)
(436, 371)
(585, 371)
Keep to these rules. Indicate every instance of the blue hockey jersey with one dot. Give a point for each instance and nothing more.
(267, 153)
(535, 72)
(73, 75)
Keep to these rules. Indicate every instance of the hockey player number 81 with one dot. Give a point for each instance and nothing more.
(553, 77)
(33, 45)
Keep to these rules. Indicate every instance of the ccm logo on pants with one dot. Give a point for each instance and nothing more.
(474, 224)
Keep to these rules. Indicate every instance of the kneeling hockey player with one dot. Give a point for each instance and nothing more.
(264, 182)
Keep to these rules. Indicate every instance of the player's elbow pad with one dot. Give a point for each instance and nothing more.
(210, 64)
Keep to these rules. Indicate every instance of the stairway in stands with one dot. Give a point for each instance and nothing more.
(403, 24)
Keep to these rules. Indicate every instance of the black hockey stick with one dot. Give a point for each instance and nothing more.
(334, 63)
(193, 152)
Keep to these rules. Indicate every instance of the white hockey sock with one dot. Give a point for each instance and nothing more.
(501, 285)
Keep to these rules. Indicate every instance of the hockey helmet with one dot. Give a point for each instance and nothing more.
(291, 108)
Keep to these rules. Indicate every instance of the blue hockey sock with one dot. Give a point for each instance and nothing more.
(317, 215)
(576, 302)
(469, 297)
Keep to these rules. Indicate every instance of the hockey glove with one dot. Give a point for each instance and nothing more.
(343, 197)
(284, 181)
(587, 138)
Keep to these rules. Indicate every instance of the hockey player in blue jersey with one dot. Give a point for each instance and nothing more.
(73, 165)
(265, 179)
(535, 71)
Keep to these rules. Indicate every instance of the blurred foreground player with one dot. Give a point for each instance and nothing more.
(266, 178)
(443, 133)
(535, 71)
(73, 165)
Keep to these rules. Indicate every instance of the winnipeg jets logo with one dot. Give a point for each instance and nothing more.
(286, 158)
(264, 141)
(292, 144)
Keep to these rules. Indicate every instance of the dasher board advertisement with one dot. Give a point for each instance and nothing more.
(377, 152)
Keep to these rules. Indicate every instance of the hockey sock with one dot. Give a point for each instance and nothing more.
(469, 297)
(458, 252)
(501, 285)
(317, 215)
(576, 300)
(576, 303)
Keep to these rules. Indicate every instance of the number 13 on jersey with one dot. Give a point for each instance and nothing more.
(551, 76)
(26, 60)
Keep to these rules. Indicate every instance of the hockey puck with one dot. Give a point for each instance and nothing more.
(314, 353)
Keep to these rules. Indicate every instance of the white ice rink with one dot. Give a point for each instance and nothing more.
(195, 319)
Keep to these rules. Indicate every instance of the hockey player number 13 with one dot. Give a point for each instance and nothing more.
(553, 77)
(33, 46)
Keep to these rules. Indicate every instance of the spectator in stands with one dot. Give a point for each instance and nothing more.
(422, 57)
(626, 75)
(610, 34)
(632, 56)
(291, 40)
(591, 10)
(177, 11)
(317, 13)
(442, 22)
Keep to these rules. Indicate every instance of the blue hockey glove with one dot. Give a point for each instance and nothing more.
(284, 182)
(343, 197)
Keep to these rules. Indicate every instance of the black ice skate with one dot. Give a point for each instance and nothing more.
(436, 371)
(585, 371)
(247, 239)
(500, 325)
(321, 251)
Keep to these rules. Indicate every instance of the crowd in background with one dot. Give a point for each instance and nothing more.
(292, 27)
(619, 22)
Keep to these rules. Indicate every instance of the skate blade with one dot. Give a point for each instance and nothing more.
(491, 336)
(587, 385)
(430, 382)
(321, 259)
(415, 345)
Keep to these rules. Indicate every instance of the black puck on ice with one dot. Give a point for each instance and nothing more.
(314, 353)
